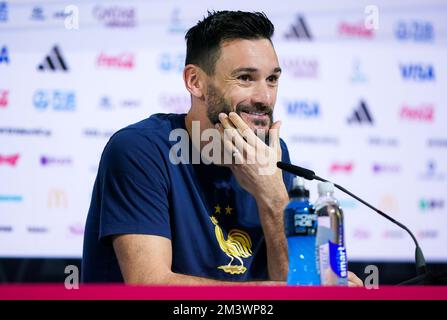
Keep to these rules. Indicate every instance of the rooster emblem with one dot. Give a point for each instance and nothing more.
(237, 245)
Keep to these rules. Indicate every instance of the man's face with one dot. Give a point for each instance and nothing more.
(245, 81)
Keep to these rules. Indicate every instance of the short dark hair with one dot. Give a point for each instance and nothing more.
(203, 40)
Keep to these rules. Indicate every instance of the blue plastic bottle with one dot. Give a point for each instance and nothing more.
(300, 221)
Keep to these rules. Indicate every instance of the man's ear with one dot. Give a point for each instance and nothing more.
(194, 79)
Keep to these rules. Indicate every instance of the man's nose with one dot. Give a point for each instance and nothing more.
(263, 94)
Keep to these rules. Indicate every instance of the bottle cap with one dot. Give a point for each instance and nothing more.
(325, 187)
(298, 189)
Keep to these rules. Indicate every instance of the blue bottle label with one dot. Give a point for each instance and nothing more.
(300, 223)
(338, 259)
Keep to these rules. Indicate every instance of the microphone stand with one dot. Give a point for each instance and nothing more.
(421, 269)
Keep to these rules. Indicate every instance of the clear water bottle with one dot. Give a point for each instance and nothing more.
(300, 223)
(332, 258)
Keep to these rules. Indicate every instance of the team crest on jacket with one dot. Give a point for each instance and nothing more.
(237, 245)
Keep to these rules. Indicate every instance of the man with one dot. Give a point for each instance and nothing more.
(157, 218)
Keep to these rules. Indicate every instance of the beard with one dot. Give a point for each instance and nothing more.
(216, 104)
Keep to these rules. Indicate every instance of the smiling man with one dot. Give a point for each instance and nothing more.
(152, 221)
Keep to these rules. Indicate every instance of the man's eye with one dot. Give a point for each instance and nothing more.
(273, 79)
(244, 77)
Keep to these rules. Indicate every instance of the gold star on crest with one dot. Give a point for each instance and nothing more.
(217, 209)
(228, 209)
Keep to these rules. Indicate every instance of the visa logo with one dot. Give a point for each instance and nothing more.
(417, 72)
(305, 109)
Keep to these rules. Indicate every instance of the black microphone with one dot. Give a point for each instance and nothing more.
(421, 267)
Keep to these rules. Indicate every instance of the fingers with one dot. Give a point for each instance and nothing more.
(353, 280)
(230, 132)
(243, 128)
(231, 151)
(274, 134)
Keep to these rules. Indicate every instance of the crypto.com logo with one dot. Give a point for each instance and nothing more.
(251, 150)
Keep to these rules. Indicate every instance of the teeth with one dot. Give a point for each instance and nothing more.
(257, 113)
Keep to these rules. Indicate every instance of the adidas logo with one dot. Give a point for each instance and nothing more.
(299, 30)
(53, 61)
(361, 115)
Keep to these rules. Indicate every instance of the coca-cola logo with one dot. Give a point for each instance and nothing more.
(425, 112)
(355, 30)
(124, 60)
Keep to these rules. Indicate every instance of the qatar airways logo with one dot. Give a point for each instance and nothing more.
(300, 67)
(421, 113)
(358, 30)
(337, 167)
(115, 16)
(124, 60)
(4, 98)
(175, 103)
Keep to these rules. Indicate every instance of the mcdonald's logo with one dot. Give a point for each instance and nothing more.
(57, 198)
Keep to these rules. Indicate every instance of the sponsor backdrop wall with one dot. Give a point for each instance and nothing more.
(364, 105)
